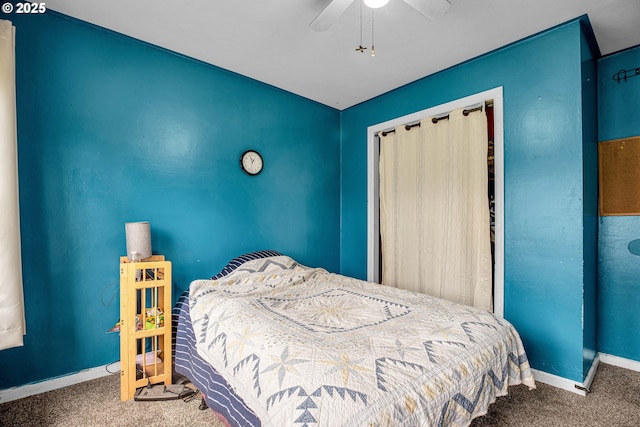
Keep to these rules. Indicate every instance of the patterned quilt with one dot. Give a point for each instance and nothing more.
(304, 347)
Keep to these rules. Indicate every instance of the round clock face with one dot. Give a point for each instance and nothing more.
(251, 162)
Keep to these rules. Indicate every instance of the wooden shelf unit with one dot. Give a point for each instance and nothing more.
(145, 290)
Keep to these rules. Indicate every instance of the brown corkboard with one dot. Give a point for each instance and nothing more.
(619, 176)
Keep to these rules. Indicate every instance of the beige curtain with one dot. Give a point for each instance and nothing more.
(12, 323)
(434, 209)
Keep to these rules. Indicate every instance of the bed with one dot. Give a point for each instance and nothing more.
(271, 342)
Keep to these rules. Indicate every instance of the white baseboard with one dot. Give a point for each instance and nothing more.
(567, 384)
(621, 362)
(15, 393)
(592, 372)
(558, 382)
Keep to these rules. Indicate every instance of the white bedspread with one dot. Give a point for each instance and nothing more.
(304, 347)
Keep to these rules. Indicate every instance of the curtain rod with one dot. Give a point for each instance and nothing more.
(465, 113)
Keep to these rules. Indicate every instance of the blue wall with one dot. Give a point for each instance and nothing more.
(544, 205)
(619, 270)
(113, 130)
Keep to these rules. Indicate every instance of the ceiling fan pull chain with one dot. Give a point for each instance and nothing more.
(373, 46)
(361, 48)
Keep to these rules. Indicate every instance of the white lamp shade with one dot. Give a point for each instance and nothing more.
(138, 240)
(374, 4)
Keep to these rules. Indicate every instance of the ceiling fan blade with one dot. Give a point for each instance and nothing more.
(328, 16)
(431, 9)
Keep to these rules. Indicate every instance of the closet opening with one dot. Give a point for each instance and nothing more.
(491, 102)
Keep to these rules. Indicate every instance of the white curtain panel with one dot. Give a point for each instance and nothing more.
(12, 320)
(434, 209)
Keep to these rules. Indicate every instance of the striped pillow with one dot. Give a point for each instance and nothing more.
(237, 262)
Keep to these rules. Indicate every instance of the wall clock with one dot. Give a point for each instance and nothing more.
(251, 162)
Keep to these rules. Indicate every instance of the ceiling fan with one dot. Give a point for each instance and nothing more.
(430, 9)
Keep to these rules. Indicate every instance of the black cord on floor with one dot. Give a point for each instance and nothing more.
(109, 365)
(188, 396)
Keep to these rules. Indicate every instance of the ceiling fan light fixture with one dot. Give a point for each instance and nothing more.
(374, 4)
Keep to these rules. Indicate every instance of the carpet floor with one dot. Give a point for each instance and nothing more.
(97, 403)
(614, 400)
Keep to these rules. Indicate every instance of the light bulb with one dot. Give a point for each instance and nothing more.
(374, 4)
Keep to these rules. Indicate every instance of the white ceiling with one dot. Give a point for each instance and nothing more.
(270, 40)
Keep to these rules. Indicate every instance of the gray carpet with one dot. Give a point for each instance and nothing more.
(97, 403)
(614, 401)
